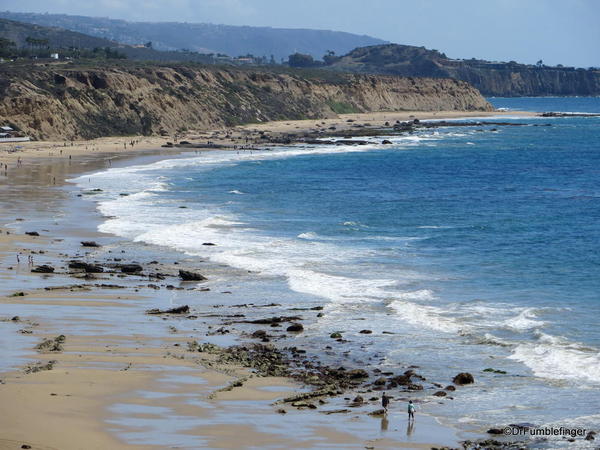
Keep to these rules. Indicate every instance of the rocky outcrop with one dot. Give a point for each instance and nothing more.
(52, 103)
(508, 79)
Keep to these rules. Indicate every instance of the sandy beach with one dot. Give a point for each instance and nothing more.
(122, 378)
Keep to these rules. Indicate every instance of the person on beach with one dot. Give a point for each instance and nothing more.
(411, 410)
(385, 401)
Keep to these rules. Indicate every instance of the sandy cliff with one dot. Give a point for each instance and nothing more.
(62, 103)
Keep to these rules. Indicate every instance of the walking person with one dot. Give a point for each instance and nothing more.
(411, 410)
(385, 401)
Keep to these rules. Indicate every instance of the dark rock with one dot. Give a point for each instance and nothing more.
(357, 373)
(590, 436)
(51, 345)
(88, 268)
(308, 395)
(402, 380)
(274, 320)
(178, 310)
(386, 142)
(295, 327)
(463, 378)
(335, 411)
(489, 369)
(208, 244)
(440, 394)
(450, 388)
(39, 366)
(259, 334)
(131, 268)
(336, 335)
(414, 387)
(89, 244)
(495, 431)
(378, 412)
(43, 269)
(304, 405)
(186, 275)
(380, 381)
(32, 233)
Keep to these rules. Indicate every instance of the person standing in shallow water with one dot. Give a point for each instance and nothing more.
(385, 401)
(411, 410)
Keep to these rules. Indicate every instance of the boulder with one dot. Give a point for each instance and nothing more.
(295, 327)
(32, 233)
(88, 268)
(43, 269)
(336, 335)
(357, 373)
(380, 381)
(186, 275)
(440, 394)
(386, 142)
(590, 436)
(260, 334)
(130, 268)
(463, 378)
(177, 310)
(402, 380)
(89, 244)
(358, 400)
(365, 332)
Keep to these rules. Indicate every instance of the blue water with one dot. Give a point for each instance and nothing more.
(478, 247)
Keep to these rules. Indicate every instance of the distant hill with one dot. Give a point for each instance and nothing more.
(18, 32)
(59, 39)
(508, 79)
(205, 38)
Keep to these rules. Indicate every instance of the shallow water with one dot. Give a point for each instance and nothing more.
(477, 247)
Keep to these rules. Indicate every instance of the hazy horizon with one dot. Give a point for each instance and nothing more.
(554, 31)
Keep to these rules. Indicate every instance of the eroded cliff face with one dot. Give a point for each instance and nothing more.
(54, 103)
(492, 79)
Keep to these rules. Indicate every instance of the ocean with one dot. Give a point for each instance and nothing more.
(472, 248)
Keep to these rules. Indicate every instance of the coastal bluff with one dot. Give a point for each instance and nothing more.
(501, 79)
(83, 103)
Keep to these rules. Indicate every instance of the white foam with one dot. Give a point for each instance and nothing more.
(308, 235)
(235, 191)
(525, 320)
(337, 288)
(430, 317)
(556, 358)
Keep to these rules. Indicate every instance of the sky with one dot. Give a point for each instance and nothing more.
(556, 31)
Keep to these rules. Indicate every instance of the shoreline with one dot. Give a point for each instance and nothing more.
(165, 351)
(119, 145)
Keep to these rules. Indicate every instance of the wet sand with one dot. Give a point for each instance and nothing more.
(123, 378)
